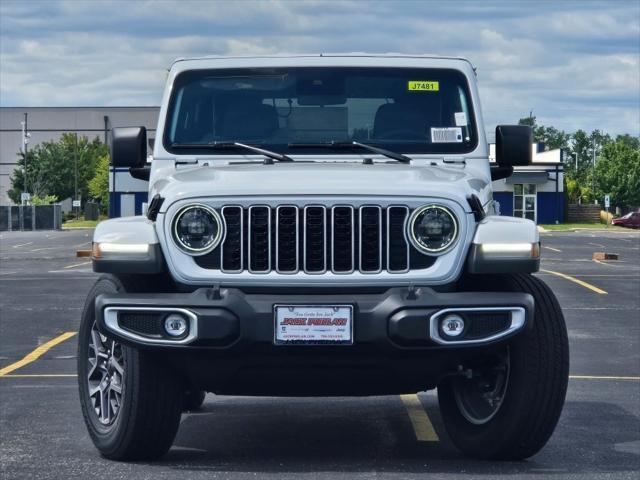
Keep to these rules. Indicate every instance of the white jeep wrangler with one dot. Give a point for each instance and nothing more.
(321, 225)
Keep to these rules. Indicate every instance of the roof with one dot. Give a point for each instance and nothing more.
(327, 55)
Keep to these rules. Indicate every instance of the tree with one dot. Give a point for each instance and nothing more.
(617, 172)
(99, 184)
(46, 200)
(550, 136)
(582, 150)
(51, 167)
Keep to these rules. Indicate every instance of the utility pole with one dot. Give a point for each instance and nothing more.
(75, 155)
(25, 147)
(593, 177)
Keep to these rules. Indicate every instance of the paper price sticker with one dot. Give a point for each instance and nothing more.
(423, 86)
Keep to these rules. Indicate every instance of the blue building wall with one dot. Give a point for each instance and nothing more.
(505, 199)
(550, 205)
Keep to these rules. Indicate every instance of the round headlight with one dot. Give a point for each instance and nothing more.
(197, 229)
(433, 229)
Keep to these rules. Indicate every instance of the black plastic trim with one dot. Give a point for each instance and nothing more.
(154, 207)
(476, 207)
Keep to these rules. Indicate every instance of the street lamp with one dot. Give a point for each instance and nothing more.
(24, 148)
(593, 177)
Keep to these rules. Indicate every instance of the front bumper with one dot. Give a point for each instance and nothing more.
(230, 347)
(398, 319)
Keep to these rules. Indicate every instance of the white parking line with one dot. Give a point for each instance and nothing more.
(45, 248)
(74, 265)
(604, 263)
(22, 245)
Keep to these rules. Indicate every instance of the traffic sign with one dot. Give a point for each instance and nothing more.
(607, 201)
(76, 203)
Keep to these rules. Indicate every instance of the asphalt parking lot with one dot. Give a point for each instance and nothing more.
(42, 290)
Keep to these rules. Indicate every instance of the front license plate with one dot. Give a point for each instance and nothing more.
(313, 324)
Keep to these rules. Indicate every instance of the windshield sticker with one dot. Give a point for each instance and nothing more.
(461, 119)
(446, 135)
(423, 86)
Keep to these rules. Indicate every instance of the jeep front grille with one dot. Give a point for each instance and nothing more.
(315, 239)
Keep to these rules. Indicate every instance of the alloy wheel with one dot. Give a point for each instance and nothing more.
(105, 376)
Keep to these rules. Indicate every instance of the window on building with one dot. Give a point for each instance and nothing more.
(524, 200)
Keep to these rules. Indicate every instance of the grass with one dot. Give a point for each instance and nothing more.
(568, 227)
(82, 223)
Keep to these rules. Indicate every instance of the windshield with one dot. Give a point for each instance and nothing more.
(401, 109)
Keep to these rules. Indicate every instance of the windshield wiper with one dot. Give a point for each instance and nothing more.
(387, 153)
(234, 145)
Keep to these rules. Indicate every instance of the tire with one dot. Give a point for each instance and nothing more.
(140, 423)
(193, 400)
(534, 390)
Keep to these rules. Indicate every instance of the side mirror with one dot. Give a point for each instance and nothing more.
(129, 147)
(513, 145)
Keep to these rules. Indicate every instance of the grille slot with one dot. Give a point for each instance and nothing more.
(342, 239)
(259, 239)
(231, 255)
(370, 239)
(315, 239)
(397, 247)
(287, 239)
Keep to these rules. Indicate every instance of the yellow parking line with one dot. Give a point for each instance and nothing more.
(593, 288)
(419, 419)
(551, 248)
(40, 375)
(77, 265)
(37, 353)
(601, 377)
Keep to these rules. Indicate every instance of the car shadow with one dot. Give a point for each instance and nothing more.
(343, 435)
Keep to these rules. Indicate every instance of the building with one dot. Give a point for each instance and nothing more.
(534, 192)
(48, 123)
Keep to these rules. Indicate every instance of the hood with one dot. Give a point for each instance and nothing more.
(320, 178)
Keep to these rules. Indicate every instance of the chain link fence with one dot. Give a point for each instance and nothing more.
(30, 217)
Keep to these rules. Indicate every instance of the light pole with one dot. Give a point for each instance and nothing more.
(75, 156)
(25, 146)
(593, 177)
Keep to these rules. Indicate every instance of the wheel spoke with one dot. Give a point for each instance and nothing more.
(93, 364)
(104, 405)
(116, 364)
(94, 390)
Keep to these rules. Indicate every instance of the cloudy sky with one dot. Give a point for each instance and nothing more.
(574, 64)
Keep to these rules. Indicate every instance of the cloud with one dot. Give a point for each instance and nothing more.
(574, 64)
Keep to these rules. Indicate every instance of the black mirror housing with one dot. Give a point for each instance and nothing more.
(129, 147)
(513, 145)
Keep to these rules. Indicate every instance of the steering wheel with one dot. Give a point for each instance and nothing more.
(401, 134)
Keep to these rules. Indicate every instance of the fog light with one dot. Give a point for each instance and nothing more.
(452, 325)
(175, 325)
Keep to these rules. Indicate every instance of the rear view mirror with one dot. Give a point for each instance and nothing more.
(513, 145)
(129, 147)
